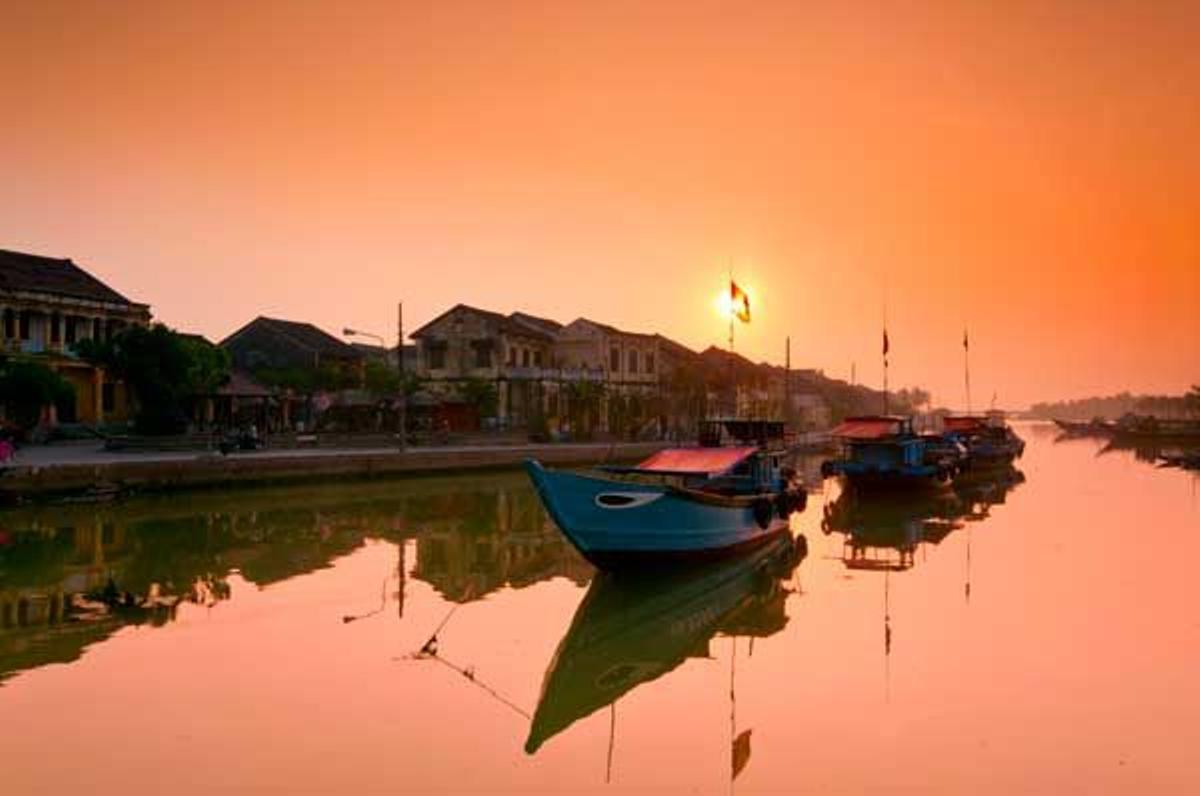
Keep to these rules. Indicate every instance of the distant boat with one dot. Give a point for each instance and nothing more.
(883, 451)
(989, 440)
(633, 629)
(1097, 427)
(681, 503)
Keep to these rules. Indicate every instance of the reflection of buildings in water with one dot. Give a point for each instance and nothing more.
(631, 630)
(884, 533)
(504, 538)
(72, 575)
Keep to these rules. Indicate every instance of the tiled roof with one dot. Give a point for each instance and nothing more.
(302, 334)
(35, 274)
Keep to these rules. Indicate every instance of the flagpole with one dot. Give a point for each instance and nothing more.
(732, 368)
(967, 368)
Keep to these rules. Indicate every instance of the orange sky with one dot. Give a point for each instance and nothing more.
(1031, 169)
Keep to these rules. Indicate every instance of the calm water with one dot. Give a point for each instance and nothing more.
(1035, 636)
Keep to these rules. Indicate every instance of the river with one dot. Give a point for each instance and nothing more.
(1038, 633)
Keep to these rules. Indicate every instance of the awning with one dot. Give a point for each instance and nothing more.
(867, 428)
(701, 461)
(963, 424)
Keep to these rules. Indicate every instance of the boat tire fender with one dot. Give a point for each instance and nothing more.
(762, 512)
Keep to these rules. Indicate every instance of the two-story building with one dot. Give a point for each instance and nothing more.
(47, 305)
(467, 346)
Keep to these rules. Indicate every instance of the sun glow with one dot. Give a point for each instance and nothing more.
(723, 304)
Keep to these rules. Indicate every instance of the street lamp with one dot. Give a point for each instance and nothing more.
(348, 332)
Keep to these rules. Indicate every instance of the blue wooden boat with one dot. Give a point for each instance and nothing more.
(883, 451)
(989, 440)
(682, 503)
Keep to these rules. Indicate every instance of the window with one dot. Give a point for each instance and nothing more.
(552, 404)
(55, 328)
(97, 330)
(512, 356)
(71, 334)
(649, 363)
(483, 353)
(524, 357)
(24, 324)
(435, 355)
(633, 361)
(614, 359)
(10, 324)
(537, 359)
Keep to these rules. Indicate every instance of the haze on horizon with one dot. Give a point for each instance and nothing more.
(1029, 170)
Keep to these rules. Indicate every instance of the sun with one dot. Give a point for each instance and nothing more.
(723, 304)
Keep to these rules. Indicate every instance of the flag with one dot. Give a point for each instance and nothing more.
(966, 347)
(885, 343)
(741, 752)
(739, 302)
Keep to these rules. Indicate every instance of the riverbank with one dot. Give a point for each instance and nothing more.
(77, 472)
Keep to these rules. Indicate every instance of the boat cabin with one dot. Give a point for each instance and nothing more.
(882, 441)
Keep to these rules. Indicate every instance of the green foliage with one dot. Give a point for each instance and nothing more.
(163, 370)
(27, 387)
(482, 395)
(1115, 406)
(381, 378)
(306, 380)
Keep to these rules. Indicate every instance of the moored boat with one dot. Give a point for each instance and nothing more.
(883, 451)
(989, 440)
(681, 503)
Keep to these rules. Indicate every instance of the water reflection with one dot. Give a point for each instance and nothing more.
(631, 630)
(885, 535)
(72, 576)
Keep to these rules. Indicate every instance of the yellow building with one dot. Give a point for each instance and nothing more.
(47, 305)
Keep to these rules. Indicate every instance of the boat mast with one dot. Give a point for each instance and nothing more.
(967, 368)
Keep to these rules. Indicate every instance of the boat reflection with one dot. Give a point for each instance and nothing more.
(632, 629)
(885, 535)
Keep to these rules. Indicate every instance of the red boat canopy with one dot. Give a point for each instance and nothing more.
(868, 427)
(701, 461)
(965, 423)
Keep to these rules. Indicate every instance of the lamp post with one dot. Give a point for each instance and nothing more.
(348, 332)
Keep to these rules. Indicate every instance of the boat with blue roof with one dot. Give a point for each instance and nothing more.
(729, 493)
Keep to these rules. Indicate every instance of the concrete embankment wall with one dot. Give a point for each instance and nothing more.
(215, 471)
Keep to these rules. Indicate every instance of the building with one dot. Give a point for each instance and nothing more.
(47, 305)
(270, 347)
(466, 347)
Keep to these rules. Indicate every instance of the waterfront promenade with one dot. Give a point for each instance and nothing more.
(42, 472)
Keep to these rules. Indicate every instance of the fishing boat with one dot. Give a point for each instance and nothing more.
(989, 440)
(634, 629)
(1097, 427)
(883, 451)
(724, 495)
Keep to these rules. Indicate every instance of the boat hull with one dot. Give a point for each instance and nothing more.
(620, 524)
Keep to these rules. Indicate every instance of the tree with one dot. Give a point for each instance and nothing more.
(381, 378)
(482, 395)
(163, 370)
(28, 387)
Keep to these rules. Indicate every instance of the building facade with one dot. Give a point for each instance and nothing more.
(47, 306)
